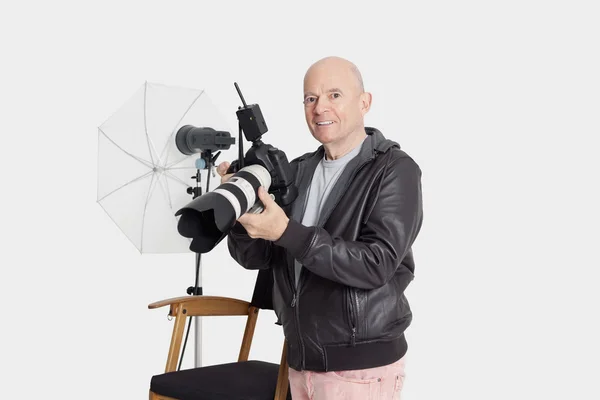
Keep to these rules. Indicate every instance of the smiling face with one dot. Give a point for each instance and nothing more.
(335, 104)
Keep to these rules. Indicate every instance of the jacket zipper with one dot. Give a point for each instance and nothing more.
(293, 304)
(294, 289)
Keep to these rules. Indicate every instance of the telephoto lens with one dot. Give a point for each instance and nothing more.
(208, 218)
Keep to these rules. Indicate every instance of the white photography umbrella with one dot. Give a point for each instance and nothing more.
(142, 177)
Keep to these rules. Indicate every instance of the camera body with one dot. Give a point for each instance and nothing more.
(274, 160)
(276, 163)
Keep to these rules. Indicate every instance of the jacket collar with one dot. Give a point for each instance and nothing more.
(373, 144)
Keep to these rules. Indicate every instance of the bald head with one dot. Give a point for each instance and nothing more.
(335, 104)
(337, 65)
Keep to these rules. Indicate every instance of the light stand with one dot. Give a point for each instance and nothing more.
(206, 161)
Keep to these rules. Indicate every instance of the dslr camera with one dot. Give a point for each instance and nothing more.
(209, 217)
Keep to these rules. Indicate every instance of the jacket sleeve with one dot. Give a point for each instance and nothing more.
(248, 252)
(387, 235)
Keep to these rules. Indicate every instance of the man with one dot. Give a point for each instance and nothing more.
(341, 252)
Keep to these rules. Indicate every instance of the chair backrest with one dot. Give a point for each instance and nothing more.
(184, 307)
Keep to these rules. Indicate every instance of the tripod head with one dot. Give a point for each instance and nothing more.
(205, 162)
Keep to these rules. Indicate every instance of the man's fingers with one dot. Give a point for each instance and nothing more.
(222, 171)
(264, 196)
(246, 220)
(225, 178)
(222, 168)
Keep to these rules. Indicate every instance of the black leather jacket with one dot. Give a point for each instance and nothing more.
(349, 310)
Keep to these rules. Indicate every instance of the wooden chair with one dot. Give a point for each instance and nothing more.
(244, 379)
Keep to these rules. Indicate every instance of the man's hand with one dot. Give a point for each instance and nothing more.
(270, 224)
(222, 169)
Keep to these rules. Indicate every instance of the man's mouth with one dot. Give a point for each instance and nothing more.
(324, 123)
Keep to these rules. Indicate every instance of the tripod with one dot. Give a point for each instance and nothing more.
(206, 161)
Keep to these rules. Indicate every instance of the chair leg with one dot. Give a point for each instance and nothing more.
(248, 333)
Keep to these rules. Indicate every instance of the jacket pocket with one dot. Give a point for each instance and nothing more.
(352, 305)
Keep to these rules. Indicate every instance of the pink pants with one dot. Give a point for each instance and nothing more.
(381, 383)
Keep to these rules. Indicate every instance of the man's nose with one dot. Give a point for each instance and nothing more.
(321, 106)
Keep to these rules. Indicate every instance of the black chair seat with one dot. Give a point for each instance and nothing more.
(246, 380)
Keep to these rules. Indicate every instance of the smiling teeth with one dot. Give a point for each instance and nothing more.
(325, 123)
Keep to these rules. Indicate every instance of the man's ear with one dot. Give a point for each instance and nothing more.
(365, 102)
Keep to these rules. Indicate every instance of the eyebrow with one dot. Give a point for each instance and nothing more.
(329, 91)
